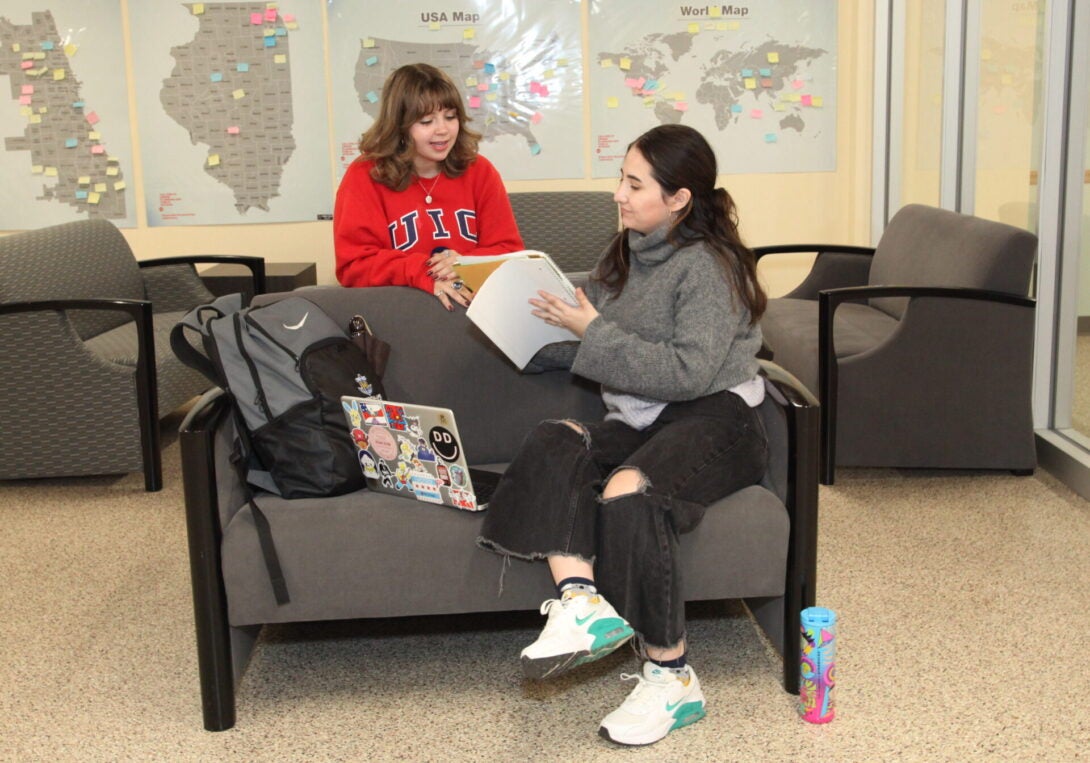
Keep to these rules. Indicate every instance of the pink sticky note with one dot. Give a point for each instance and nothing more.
(289, 17)
(24, 100)
(478, 64)
(807, 100)
(641, 82)
(92, 118)
(27, 90)
(482, 87)
(26, 64)
(631, 82)
(232, 130)
(536, 118)
(474, 102)
(255, 18)
(756, 114)
(681, 106)
(270, 14)
(98, 149)
(542, 90)
(797, 84)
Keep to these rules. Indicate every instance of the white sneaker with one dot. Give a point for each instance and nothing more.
(660, 703)
(581, 628)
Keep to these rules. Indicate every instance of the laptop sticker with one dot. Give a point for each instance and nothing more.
(374, 414)
(463, 499)
(444, 473)
(458, 476)
(426, 488)
(386, 477)
(367, 463)
(444, 443)
(403, 474)
(360, 438)
(413, 424)
(395, 414)
(353, 411)
(383, 443)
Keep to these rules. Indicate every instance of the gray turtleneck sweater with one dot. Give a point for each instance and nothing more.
(676, 332)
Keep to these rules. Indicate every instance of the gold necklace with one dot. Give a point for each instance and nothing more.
(427, 191)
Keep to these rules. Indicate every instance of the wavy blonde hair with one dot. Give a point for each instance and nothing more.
(410, 93)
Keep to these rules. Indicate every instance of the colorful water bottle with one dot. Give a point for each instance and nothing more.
(817, 703)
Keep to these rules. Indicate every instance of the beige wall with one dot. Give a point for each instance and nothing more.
(775, 208)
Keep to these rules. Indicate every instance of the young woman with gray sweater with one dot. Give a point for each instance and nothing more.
(668, 327)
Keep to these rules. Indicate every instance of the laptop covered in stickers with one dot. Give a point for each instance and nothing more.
(415, 451)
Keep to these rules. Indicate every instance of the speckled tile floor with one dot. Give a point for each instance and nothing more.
(963, 614)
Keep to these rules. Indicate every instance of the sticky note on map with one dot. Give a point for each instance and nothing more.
(605, 63)
(751, 83)
(474, 101)
(625, 63)
(817, 101)
(98, 150)
(119, 185)
(92, 118)
(232, 130)
(213, 160)
(81, 194)
(368, 42)
(280, 58)
(58, 74)
(535, 149)
(70, 49)
(100, 187)
(734, 26)
(434, 26)
(216, 76)
(469, 34)
(756, 114)
(372, 61)
(71, 143)
(612, 102)
(270, 42)
(50, 172)
(240, 93)
(47, 45)
(256, 19)
(536, 118)
(807, 100)
(94, 135)
(36, 169)
(372, 96)
(681, 106)
(84, 180)
(112, 171)
(93, 198)
(270, 14)
(242, 66)
(773, 57)
(197, 9)
(770, 137)
(694, 28)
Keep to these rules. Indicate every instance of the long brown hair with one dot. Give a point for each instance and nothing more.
(680, 157)
(411, 92)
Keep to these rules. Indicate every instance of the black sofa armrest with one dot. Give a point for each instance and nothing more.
(801, 410)
(185, 289)
(836, 265)
(147, 384)
(830, 299)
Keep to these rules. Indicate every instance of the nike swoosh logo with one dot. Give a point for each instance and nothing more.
(298, 325)
(580, 620)
(670, 708)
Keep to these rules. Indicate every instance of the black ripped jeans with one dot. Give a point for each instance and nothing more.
(549, 500)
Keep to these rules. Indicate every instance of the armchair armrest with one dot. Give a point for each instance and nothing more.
(801, 411)
(830, 299)
(147, 385)
(182, 289)
(836, 265)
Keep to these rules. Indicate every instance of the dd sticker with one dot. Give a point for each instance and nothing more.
(444, 443)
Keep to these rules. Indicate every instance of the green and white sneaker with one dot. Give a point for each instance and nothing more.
(660, 703)
(581, 628)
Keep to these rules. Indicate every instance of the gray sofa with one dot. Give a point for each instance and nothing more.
(83, 324)
(758, 544)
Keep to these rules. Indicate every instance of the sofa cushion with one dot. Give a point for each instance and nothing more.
(790, 330)
(368, 554)
(177, 381)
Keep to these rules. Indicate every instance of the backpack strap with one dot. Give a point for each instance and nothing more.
(264, 533)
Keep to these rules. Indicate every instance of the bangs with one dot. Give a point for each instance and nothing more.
(440, 99)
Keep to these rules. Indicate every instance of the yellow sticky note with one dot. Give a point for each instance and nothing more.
(100, 187)
(751, 83)
(94, 135)
(58, 74)
(817, 101)
(649, 100)
(92, 197)
(678, 96)
(197, 9)
(490, 97)
(240, 93)
(213, 160)
(625, 63)
(715, 11)
(434, 26)
(111, 159)
(111, 171)
(504, 76)
(37, 169)
(84, 180)
(292, 25)
(43, 109)
(16, 47)
(549, 73)
(721, 26)
(70, 49)
(606, 63)
(612, 102)
(734, 26)
(561, 62)
(471, 82)
(694, 28)
(280, 58)
(469, 34)
(272, 33)
(119, 185)
(25, 111)
(35, 119)
(51, 172)
(773, 57)
(368, 42)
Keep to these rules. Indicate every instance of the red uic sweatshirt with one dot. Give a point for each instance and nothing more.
(384, 238)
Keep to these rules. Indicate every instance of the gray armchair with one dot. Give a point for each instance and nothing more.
(572, 227)
(920, 350)
(84, 333)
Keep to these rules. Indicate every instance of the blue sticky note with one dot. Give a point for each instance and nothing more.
(770, 137)
(47, 45)
(535, 149)
(81, 194)
(494, 87)
(372, 96)
(747, 72)
(71, 143)
(77, 104)
(736, 108)
(281, 31)
(651, 84)
(216, 77)
(489, 68)
(270, 42)
(372, 61)
(242, 67)
(766, 72)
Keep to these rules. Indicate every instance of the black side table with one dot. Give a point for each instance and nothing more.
(279, 276)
